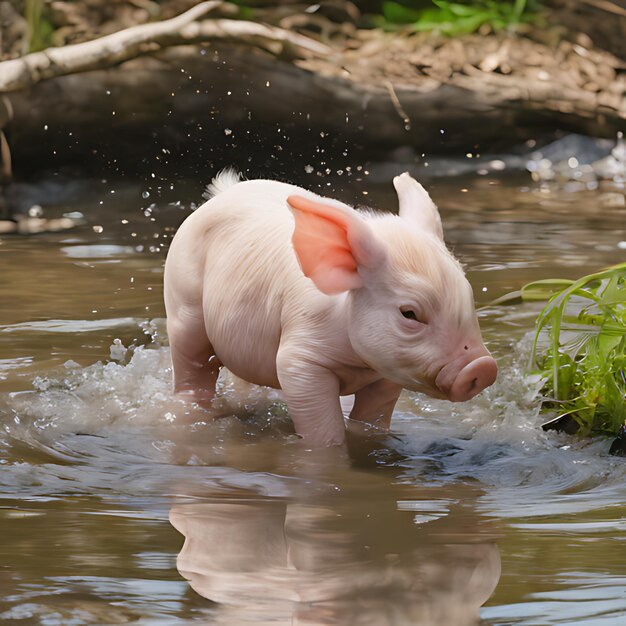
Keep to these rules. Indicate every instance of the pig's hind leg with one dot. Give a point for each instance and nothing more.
(194, 363)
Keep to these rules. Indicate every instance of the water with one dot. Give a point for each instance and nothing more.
(115, 509)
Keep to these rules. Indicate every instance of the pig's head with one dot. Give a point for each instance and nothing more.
(411, 309)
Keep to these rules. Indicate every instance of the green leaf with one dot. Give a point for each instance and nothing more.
(456, 9)
(457, 18)
(398, 14)
(543, 289)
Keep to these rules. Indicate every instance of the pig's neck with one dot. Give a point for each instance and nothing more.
(337, 341)
(351, 370)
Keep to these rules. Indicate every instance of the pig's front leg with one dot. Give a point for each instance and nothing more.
(374, 403)
(312, 395)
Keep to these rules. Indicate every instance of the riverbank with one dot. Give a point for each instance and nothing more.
(368, 89)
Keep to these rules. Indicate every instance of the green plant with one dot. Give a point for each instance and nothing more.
(459, 18)
(579, 348)
(39, 28)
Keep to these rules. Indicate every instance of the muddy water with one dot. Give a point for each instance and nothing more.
(115, 509)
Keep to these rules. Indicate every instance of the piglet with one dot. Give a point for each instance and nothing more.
(302, 293)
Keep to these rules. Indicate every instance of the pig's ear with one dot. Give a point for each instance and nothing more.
(416, 206)
(332, 242)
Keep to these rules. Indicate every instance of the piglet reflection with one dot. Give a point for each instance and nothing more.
(271, 562)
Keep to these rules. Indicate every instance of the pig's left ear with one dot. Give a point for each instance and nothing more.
(332, 243)
(416, 206)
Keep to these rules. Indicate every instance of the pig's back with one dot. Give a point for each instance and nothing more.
(233, 259)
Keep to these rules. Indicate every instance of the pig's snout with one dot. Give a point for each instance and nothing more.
(473, 378)
(469, 380)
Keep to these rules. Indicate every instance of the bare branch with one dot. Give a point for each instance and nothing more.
(131, 42)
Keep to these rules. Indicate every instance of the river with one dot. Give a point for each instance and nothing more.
(113, 511)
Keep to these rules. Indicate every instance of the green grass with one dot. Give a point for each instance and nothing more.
(459, 18)
(579, 348)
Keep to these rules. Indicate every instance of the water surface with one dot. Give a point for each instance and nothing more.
(114, 509)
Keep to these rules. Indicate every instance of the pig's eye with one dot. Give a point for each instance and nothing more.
(410, 314)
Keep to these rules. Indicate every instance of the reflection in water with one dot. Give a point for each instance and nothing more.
(274, 562)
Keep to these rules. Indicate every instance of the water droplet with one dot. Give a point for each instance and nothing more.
(228, 131)
(497, 164)
(98, 229)
(145, 194)
(308, 169)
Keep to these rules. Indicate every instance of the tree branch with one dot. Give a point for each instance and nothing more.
(131, 42)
